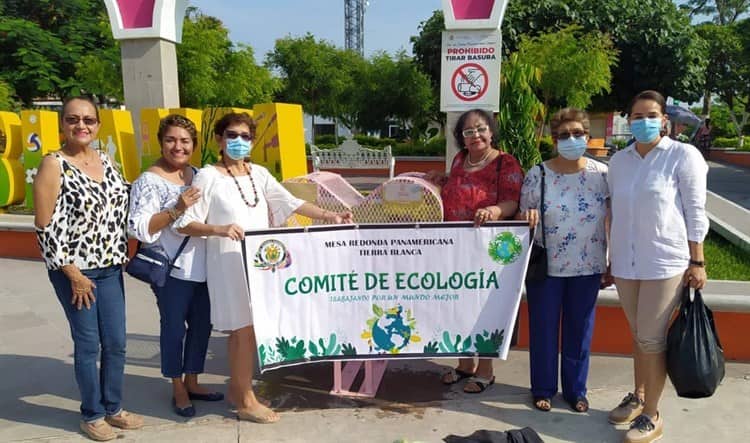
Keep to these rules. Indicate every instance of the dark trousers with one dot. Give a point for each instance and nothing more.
(99, 329)
(181, 303)
(567, 305)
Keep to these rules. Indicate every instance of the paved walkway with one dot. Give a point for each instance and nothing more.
(39, 398)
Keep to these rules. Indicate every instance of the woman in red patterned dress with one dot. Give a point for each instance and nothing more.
(484, 184)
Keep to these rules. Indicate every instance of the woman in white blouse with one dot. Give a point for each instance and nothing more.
(658, 189)
(158, 197)
(573, 231)
(237, 196)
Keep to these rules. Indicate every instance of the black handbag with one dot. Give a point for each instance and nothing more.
(695, 358)
(537, 270)
(151, 264)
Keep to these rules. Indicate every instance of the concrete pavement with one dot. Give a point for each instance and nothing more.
(39, 397)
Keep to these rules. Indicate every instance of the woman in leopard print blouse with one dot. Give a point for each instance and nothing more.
(81, 203)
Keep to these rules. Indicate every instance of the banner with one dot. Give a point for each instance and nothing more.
(358, 292)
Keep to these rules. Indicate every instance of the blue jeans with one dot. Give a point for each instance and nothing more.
(575, 299)
(181, 302)
(100, 327)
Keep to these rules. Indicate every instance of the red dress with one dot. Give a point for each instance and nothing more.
(465, 192)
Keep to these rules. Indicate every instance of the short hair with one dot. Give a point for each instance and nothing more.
(566, 115)
(487, 116)
(649, 95)
(179, 121)
(84, 98)
(234, 118)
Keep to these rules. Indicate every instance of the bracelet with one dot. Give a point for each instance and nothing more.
(699, 263)
(172, 212)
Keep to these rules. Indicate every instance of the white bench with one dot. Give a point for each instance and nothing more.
(351, 155)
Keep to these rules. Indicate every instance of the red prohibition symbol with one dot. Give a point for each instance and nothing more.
(469, 82)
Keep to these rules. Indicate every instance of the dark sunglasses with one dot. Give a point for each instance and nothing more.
(74, 119)
(232, 135)
(567, 135)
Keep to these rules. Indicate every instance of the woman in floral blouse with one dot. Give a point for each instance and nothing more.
(575, 208)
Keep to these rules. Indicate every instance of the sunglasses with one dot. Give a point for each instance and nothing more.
(567, 135)
(472, 132)
(74, 120)
(232, 135)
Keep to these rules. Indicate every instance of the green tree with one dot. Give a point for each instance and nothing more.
(6, 97)
(310, 74)
(100, 72)
(574, 66)
(520, 111)
(213, 71)
(41, 43)
(724, 12)
(427, 56)
(658, 49)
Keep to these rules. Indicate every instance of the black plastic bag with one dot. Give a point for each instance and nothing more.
(695, 358)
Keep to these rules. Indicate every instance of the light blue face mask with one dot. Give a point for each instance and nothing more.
(572, 148)
(646, 130)
(237, 148)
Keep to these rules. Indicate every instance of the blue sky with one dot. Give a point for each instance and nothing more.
(388, 23)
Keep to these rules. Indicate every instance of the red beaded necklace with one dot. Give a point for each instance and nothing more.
(252, 183)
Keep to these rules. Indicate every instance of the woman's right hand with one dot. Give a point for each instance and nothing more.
(82, 287)
(530, 215)
(436, 177)
(232, 231)
(187, 199)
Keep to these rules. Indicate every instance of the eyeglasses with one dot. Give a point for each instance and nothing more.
(567, 135)
(232, 135)
(472, 132)
(74, 119)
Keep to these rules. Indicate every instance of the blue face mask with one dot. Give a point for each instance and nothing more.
(646, 130)
(572, 148)
(237, 148)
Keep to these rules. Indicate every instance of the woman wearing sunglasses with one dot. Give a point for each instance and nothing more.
(81, 205)
(237, 196)
(484, 184)
(575, 209)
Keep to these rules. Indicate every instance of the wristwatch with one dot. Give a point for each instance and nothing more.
(173, 214)
(699, 263)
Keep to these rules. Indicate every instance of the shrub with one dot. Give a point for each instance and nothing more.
(326, 139)
(367, 140)
(725, 142)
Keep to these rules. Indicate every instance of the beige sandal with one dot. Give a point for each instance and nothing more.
(262, 416)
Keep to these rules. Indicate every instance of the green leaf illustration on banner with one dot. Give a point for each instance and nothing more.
(431, 348)
(449, 345)
(377, 310)
(348, 349)
(290, 349)
(268, 355)
(486, 343)
(331, 349)
(262, 354)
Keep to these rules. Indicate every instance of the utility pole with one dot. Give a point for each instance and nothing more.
(354, 25)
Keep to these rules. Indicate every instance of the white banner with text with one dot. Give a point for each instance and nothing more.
(358, 292)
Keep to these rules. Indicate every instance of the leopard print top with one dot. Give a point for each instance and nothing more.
(88, 226)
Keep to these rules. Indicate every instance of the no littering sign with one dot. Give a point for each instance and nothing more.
(470, 70)
(469, 82)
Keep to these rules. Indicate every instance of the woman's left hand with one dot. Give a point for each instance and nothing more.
(695, 277)
(340, 218)
(482, 216)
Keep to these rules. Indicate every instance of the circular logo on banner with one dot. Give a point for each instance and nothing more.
(469, 82)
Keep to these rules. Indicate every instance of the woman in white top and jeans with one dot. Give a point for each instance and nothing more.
(658, 191)
(159, 196)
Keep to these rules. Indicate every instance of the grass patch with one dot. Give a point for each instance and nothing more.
(725, 261)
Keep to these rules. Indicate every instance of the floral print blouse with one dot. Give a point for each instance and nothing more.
(575, 207)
